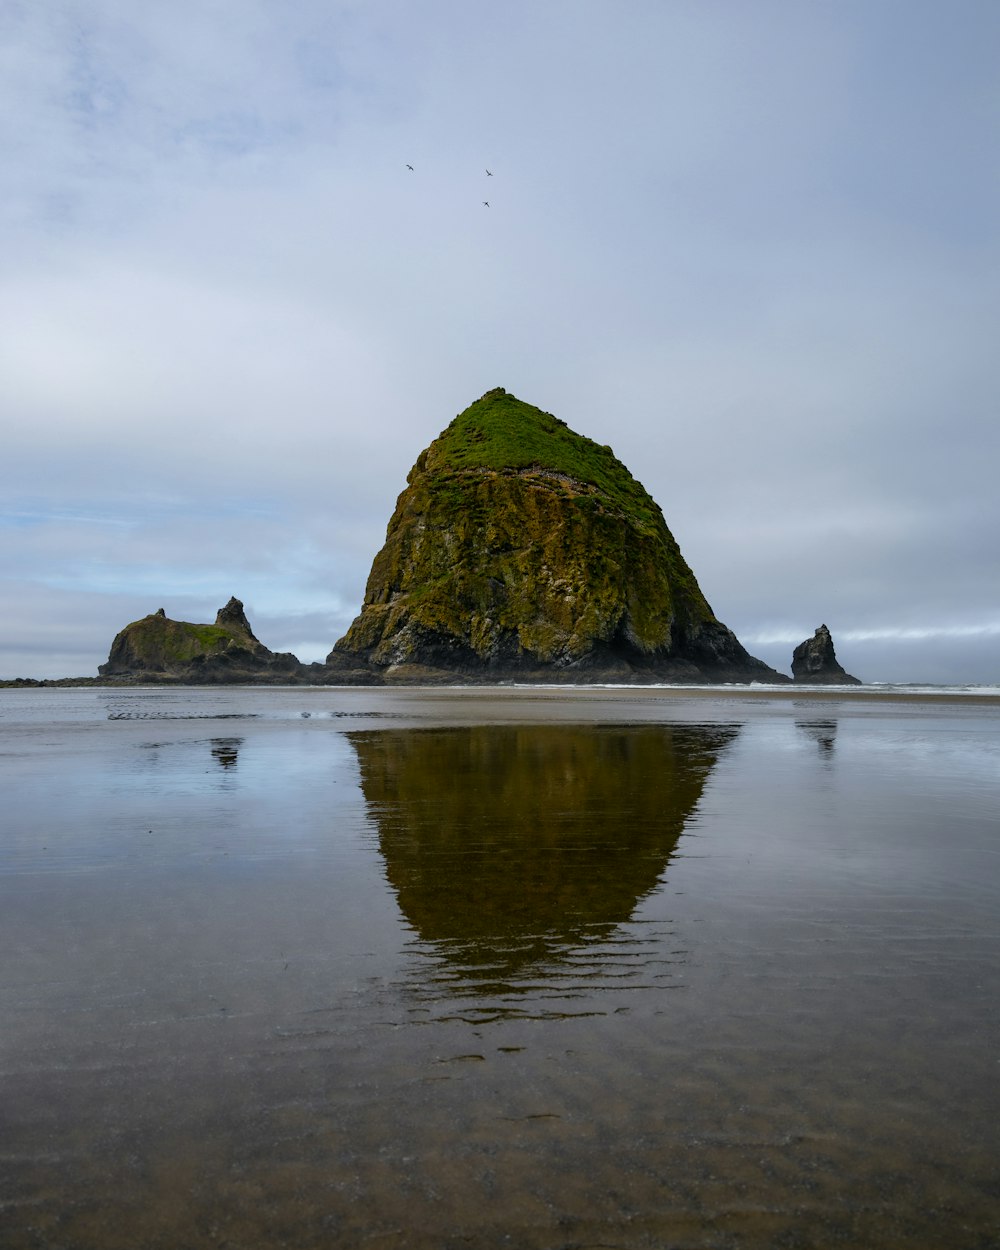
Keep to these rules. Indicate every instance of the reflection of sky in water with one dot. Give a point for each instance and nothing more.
(166, 795)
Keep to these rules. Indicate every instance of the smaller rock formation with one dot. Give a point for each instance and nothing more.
(159, 649)
(814, 662)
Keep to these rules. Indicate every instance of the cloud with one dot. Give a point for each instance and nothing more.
(753, 248)
(888, 633)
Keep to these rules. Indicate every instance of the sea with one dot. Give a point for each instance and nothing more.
(523, 968)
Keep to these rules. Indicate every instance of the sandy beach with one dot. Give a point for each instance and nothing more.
(635, 967)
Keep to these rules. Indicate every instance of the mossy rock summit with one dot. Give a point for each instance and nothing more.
(520, 549)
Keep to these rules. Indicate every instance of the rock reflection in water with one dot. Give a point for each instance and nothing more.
(226, 751)
(822, 732)
(511, 846)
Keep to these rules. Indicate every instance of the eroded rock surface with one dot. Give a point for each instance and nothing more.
(157, 647)
(520, 549)
(814, 662)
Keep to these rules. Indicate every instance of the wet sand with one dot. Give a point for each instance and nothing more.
(535, 968)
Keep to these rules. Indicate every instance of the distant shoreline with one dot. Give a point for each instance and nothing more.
(745, 693)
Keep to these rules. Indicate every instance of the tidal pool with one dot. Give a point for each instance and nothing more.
(519, 968)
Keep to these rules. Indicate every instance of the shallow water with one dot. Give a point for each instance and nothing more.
(351, 968)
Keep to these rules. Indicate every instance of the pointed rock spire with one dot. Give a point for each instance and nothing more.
(814, 662)
(232, 616)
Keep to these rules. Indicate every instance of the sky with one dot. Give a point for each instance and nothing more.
(752, 244)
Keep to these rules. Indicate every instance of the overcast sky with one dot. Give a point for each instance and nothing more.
(752, 244)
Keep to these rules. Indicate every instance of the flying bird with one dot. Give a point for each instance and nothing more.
(489, 173)
(487, 203)
(410, 168)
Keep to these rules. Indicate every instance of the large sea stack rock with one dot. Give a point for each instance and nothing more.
(814, 662)
(159, 649)
(520, 549)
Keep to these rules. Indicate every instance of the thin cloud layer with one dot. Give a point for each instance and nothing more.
(752, 247)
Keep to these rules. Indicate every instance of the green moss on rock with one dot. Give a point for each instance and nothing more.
(519, 545)
(157, 646)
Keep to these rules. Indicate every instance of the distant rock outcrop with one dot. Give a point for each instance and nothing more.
(520, 549)
(814, 662)
(157, 648)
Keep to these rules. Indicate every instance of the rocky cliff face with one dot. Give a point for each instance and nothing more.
(157, 648)
(520, 548)
(814, 662)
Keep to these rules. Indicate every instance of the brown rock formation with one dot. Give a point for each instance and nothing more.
(159, 649)
(520, 549)
(814, 662)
